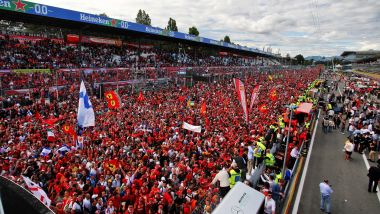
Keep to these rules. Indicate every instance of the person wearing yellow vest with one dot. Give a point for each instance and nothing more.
(329, 106)
(274, 127)
(269, 159)
(278, 176)
(307, 125)
(259, 150)
(235, 174)
(281, 123)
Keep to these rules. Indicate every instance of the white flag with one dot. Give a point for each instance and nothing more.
(45, 151)
(86, 115)
(191, 127)
(64, 149)
(37, 191)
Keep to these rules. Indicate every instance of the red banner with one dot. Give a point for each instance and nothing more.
(98, 40)
(255, 92)
(33, 39)
(240, 90)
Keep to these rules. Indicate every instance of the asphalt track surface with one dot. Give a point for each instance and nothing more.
(348, 178)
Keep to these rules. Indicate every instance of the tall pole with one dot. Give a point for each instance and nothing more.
(287, 139)
(56, 84)
(117, 76)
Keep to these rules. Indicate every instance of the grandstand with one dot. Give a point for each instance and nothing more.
(70, 40)
(360, 56)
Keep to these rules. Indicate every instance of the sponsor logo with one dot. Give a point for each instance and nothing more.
(214, 42)
(94, 19)
(124, 24)
(153, 30)
(4, 3)
(236, 210)
(188, 37)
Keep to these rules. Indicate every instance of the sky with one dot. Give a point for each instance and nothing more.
(307, 27)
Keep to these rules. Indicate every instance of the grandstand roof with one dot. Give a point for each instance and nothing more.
(370, 52)
(43, 14)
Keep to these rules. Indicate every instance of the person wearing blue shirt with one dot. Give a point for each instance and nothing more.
(326, 191)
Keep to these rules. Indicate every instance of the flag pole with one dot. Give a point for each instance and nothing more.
(117, 77)
(56, 84)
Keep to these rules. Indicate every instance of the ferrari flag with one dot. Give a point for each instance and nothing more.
(113, 100)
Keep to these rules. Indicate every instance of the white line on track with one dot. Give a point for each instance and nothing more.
(302, 182)
(367, 165)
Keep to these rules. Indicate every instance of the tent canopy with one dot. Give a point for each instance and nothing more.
(304, 108)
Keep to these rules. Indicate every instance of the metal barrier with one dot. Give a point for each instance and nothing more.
(280, 205)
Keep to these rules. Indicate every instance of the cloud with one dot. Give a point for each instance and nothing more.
(321, 27)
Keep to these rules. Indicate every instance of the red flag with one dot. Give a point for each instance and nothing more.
(240, 89)
(37, 116)
(181, 98)
(111, 165)
(68, 129)
(113, 99)
(50, 121)
(273, 94)
(141, 97)
(203, 108)
(263, 108)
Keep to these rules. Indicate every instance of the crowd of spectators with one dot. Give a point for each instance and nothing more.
(97, 63)
(138, 158)
(49, 53)
(157, 167)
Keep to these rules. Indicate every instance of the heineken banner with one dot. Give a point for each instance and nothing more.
(60, 13)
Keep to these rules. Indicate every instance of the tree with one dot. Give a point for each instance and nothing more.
(300, 59)
(104, 15)
(172, 25)
(143, 18)
(193, 31)
(227, 39)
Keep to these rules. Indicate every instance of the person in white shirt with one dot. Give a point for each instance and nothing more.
(326, 192)
(87, 203)
(269, 204)
(224, 182)
(250, 156)
(293, 157)
(77, 206)
(348, 148)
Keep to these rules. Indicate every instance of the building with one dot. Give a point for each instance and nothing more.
(360, 56)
